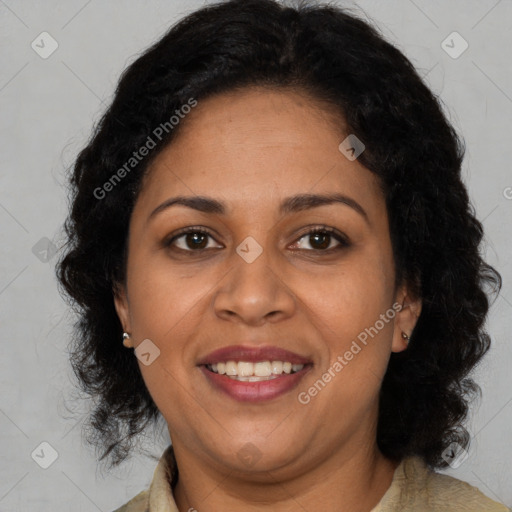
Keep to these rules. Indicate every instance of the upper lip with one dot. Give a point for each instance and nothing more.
(252, 354)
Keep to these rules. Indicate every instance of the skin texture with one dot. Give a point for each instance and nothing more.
(251, 149)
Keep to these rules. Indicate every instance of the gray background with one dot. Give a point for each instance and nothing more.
(48, 107)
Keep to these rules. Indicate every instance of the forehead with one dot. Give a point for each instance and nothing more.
(255, 143)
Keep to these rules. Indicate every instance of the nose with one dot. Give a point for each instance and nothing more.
(254, 293)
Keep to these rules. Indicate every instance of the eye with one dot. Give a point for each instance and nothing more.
(192, 239)
(321, 239)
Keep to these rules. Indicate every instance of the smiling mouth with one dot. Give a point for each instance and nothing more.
(246, 371)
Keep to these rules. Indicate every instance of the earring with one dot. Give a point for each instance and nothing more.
(405, 337)
(126, 343)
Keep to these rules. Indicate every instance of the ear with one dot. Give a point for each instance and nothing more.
(122, 306)
(406, 317)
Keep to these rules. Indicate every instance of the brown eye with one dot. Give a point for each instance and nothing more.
(191, 240)
(196, 240)
(323, 240)
(320, 240)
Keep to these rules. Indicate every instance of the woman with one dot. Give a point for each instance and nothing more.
(271, 217)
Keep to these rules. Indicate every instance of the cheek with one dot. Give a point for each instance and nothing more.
(345, 303)
(353, 315)
(163, 299)
(356, 331)
(167, 309)
(175, 396)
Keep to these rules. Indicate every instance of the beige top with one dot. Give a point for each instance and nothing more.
(414, 487)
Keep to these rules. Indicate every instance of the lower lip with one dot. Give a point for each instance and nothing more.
(255, 391)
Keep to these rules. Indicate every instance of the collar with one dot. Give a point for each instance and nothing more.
(165, 477)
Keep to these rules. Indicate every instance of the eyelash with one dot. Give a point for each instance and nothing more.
(342, 239)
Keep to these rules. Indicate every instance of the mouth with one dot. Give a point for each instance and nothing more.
(253, 374)
(247, 371)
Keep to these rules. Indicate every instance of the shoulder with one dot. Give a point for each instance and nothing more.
(139, 503)
(416, 487)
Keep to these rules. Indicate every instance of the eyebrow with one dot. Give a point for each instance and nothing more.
(289, 205)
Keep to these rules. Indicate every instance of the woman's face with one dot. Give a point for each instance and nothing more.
(257, 280)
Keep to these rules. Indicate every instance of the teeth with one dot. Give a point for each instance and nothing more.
(231, 368)
(262, 369)
(245, 369)
(277, 367)
(253, 372)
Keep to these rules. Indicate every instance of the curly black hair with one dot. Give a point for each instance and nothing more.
(339, 59)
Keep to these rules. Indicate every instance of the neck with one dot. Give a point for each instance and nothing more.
(354, 481)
